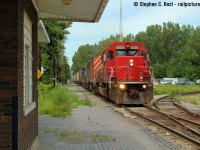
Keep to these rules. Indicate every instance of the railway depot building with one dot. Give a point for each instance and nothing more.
(20, 35)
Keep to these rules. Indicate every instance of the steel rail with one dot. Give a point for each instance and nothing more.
(173, 117)
(164, 126)
(184, 119)
(177, 104)
(175, 120)
(181, 106)
(181, 94)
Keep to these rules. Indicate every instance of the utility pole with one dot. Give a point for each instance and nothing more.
(63, 79)
(121, 25)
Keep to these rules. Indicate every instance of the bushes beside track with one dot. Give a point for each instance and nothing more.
(58, 101)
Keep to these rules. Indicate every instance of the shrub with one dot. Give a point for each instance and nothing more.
(58, 101)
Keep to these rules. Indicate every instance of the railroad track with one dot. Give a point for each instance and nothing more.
(180, 113)
(167, 122)
(172, 116)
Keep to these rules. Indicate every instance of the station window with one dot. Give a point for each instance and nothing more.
(29, 104)
(28, 84)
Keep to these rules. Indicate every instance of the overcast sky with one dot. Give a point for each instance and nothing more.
(135, 19)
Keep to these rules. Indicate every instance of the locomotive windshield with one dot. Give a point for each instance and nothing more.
(126, 53)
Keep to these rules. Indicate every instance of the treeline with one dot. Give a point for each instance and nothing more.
(55, 63)
(174, 50)
(86, 52)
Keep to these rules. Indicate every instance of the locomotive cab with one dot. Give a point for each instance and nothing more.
(129, 76)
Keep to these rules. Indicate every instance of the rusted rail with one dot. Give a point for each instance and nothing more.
(176, 119)
(169, 123)
(181, 114)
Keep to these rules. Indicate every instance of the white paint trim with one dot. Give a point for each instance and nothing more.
(36, 144)
(41, 28)
(29, 108)
(101, 10)
(35, 4)
(28, 61)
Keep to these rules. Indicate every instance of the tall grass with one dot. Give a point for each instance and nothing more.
(58, 101)
(174, 89)
(193, 99)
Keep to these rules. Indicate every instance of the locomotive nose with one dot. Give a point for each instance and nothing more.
(130, 68)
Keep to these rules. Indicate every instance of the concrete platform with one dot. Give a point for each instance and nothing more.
(96, 128)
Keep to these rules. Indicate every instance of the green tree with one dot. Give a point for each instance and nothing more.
(82, 56)
(129, 38)
(174, 50)
(86, 52)
(52, 53)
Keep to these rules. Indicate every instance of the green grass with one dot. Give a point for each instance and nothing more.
(193, 99)
(58, 101)
(81, 137)
(78, 137)
(172, 90)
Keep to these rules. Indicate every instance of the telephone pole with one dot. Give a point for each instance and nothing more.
(121, 25)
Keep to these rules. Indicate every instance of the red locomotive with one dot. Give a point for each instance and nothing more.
(121, 73)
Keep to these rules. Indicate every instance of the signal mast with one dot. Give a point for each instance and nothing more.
(121, 25)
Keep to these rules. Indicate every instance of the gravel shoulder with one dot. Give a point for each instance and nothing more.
(193, 108)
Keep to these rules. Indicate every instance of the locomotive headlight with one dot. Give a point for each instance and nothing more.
(131, 62)
(144, 86)
(122, 86)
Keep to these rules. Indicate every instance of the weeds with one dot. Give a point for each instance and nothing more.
(58, 101)
(48, 130)
(193, 99)
(81, 137)
(78, 137)
(172, 90)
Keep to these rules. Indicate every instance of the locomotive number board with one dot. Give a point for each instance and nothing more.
(119, 47)
(122, 47)
(134, 47)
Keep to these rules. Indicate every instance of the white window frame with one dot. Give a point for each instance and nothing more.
(29, 104)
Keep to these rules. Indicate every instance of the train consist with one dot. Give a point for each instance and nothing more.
(121, 73)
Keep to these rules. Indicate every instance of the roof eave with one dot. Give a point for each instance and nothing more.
(43, 37)
(100, 11)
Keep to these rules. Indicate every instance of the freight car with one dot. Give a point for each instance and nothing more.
(121, 73)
